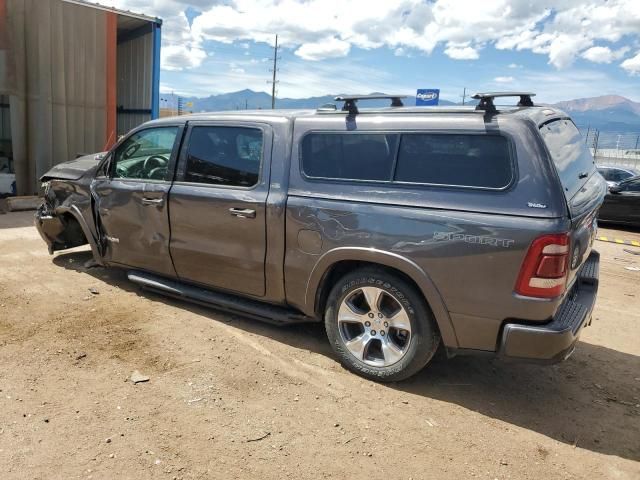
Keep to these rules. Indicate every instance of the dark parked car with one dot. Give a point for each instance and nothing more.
(614, 174)
(622, 203)
(401, 228)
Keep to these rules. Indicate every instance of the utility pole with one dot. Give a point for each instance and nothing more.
(464, 94)
(275, 69)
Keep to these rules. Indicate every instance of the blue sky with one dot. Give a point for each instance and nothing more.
(562, 50)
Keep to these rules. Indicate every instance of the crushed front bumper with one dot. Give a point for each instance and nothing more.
(49, 226)
(555, 341)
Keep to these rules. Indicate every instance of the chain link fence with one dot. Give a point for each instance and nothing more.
(613, 148)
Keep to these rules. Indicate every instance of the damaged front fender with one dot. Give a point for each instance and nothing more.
(62, 224)
(50, 229)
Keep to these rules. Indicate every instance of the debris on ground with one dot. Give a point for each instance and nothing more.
(257, 439)
(137, 377)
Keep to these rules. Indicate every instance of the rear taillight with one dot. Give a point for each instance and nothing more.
(544, 269)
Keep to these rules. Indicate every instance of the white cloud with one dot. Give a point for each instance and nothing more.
(235, 68)
(296, 81)
(632, 65)
(564, 47)
(514, 65)
(326, 48)
(604, 54)
(461, 52)
(180, 57)
(563, 30)
(504, 79)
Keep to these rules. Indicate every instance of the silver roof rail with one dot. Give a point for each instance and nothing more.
(453, 109)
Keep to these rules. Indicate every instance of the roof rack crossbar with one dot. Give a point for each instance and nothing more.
(350, 101)
(486, 99)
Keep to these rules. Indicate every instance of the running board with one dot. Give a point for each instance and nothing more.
(223, 301)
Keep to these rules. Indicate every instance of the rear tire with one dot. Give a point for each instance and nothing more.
(379, 326)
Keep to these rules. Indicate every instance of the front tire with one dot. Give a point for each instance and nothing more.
(380, 326)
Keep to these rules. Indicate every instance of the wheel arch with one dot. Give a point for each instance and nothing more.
(75, 213)
(341, 260)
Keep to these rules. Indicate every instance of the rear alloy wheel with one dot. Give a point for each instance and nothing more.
(374, 326)
(379, 326)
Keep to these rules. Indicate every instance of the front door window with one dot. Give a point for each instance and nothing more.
(145, 154)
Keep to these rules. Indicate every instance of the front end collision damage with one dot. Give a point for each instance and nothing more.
(61, 219)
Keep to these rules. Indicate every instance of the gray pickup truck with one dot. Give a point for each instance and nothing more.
(401, 228)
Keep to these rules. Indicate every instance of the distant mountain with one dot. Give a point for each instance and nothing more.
(604, 102)
(608, 113)
(261, 100)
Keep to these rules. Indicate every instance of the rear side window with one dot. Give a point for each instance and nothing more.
(354, 156)
(441, 159)
(462, 160)
(224, 156)
(569, 153)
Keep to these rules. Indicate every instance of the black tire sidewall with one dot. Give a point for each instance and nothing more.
(424, 333)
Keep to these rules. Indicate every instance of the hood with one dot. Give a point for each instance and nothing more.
(74, 169)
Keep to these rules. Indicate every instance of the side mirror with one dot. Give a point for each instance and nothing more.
(105, 165)
(615, 189)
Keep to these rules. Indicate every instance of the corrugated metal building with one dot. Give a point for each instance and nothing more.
(73, 77)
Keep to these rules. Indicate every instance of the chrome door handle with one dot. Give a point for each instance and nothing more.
(152, 201)
(243, 212)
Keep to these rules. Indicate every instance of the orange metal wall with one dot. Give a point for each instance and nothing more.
(111, 46)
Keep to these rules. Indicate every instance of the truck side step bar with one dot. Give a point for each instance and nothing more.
(273, 314)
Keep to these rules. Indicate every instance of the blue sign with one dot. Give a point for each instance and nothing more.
(427, 96)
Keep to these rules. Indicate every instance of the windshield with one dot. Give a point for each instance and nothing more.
(572, 158)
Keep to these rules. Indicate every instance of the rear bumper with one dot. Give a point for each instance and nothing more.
(555, 341)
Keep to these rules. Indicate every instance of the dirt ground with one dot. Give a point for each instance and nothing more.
(230, 397)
